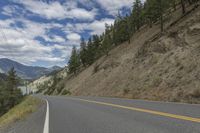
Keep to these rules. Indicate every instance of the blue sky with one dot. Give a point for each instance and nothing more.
(43, 32)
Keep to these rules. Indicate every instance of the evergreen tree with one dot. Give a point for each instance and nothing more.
(150, 12)
(155, 10)
(12, 82)
(97, 46)
(121, 33)
(83, 52)
(107, 44)
(90, 52)
(137, 14)
(10, 95)
(3, 97)
(74, 62)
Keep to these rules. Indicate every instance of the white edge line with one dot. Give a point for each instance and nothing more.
(46, 124)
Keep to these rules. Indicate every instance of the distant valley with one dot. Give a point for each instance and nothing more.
(23, 71)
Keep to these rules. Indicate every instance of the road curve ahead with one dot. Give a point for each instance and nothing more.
(114, 115)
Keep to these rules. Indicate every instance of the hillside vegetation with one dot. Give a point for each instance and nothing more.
(10, 95)
(20, 111)
(47, 84)
(159, 61)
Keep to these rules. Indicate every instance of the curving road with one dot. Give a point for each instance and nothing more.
(114, 115)
(111, 115)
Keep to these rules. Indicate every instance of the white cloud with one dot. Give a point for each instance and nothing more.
(20, 44)
(73, 37)
(113, 6)
(96, 27)
(55, 10)
(58, 39)
(22, 41)
(54, 39)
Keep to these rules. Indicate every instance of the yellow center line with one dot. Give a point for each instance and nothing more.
(181, 117)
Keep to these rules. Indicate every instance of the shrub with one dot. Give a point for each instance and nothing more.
(196, 93)
(66, 92)
(126, 91)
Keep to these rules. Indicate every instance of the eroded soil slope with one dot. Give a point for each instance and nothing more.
(157, 67)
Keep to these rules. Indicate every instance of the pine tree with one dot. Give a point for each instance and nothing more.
(83, 52)
(107, 44)
(155, 10)
(74, 62)
(150, 12)
(14, 94)
(12, 80)
(90, 52)
(3, 97)
(137, 14)
(97, 45)
(121, 32)
(129, 28)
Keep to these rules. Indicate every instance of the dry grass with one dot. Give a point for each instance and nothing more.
(20, 111)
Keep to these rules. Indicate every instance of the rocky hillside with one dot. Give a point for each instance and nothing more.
(157, 67)
(44, 82)
(153, 66)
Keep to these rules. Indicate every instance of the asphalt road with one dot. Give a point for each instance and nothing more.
(111, 115)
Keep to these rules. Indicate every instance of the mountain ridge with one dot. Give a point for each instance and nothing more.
(24, 71)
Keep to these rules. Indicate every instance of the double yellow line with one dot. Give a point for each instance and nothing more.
(181, 117)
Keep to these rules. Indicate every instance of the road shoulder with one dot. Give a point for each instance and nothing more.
(31, 123)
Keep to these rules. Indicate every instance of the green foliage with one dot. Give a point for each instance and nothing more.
(155, 9)
(83, 52)
(53, 86)
(74, 62)
(126, 91)
(41, 87)
(60, 87)
(136, 15)
(10, 95)
(66, 92)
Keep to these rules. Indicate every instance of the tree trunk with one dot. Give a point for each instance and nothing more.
(161, 23)
(183, 6)
(190, 2)
(150, 22)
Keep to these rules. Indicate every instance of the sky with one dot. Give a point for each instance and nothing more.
(43, 32)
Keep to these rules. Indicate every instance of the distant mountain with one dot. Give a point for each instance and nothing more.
(23, 71)
(54, 68)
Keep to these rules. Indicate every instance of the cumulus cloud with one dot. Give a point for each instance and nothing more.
(49, 29)
(73, 37)
(56, 10)
(96, 27)
(19, 43)
(113, 6)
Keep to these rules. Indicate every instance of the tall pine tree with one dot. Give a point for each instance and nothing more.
(74, 62)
